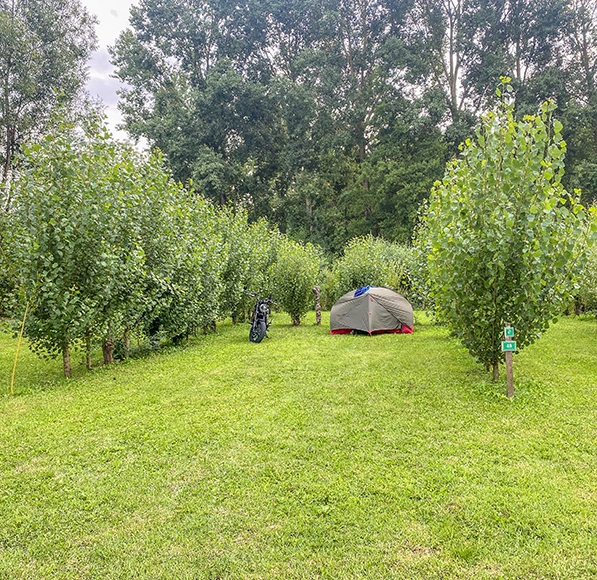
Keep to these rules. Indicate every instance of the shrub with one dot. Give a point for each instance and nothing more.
(369, 261)
(293, 275)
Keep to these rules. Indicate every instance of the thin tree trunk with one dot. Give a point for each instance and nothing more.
(317, 304)
(496, 371)
(68, 371)
(8, 150)
(577, 306)
(211, 327)
(108, 350)
(127, 343)
(88, 351)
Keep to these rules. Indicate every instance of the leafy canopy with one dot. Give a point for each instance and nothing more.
(501, 232)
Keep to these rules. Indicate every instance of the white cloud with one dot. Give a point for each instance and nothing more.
(113, 18)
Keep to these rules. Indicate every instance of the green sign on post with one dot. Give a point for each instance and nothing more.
(508, 345)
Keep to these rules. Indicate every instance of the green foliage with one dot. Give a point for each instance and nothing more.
(587, 291)
(334, 126)
(502, 233)
(250, 251)
(8, 282)
(104, 243)
(107, 243)
(185, 257)
(293, 276)
(363, 264)
(63, 244)
(318, 138)
(44, 49)
(370, 261)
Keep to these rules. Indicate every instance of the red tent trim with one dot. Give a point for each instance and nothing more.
(404, 330)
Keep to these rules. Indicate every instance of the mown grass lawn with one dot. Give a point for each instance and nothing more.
(306, 456)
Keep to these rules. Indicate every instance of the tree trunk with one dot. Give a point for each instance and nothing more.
(317, 304)
(211, 327)
(108, 351)
(8, 152)
(127, 344)
(296, 321)
(88, 351)
(496, 371)
(68, 371)
(577, 306)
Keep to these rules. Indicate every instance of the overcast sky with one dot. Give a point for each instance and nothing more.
(113, 17)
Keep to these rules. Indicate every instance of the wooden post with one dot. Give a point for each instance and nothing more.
(509, 375)
(509, 335)
(317, 304)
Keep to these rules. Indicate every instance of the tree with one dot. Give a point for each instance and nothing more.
(581, 112)
(503, 233)
(190, 269)
(44, 48)
(282, 109)
(293, 275)
(464, 46)
(60, 247)
(105, 242)
(369, 261)
(333, 119)
(250, 251)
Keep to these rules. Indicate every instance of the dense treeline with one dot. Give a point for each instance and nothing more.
(333, 119)
(330, 121)
(100, 244)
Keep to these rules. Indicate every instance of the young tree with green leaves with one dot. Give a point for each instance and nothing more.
(369, 261)
(502, 233)
(293, 276)
(191, 266)
(250, 250)
(59, 246)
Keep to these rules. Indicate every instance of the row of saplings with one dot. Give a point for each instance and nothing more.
(100, 247)
(100, 244)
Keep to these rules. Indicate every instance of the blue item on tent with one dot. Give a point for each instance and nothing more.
(361, 291)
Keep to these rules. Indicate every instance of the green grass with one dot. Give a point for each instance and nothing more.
(307, 456)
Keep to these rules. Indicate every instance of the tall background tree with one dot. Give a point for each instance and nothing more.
(299, 109)
(580, 117)
(44, 49)
(334, 118)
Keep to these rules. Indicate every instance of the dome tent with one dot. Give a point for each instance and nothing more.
(372, 310)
